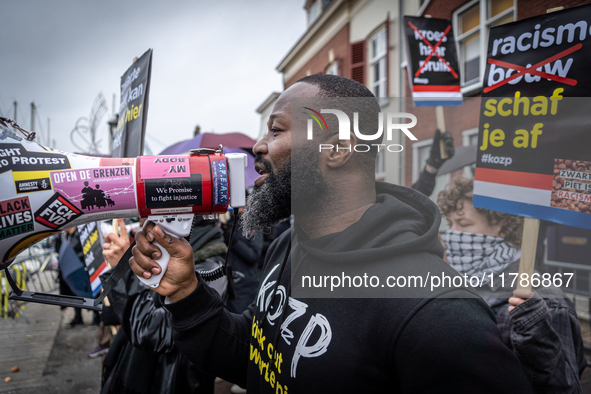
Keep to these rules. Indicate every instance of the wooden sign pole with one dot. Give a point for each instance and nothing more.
(529, 243)
(441, 126)
(116, 227)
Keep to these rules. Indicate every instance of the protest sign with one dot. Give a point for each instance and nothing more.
(91, 240)
(94, 192)
(432, 62)
(133, 110)
(533, 147)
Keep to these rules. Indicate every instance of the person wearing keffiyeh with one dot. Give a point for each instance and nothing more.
(540, 326)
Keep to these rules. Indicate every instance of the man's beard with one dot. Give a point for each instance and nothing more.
(275, 200)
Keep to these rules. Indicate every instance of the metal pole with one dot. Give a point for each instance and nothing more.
(33, 116)
(15, 105)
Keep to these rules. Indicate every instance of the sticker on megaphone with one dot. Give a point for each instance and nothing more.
(43, 191)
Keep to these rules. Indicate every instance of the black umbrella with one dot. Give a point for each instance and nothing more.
(463, 156)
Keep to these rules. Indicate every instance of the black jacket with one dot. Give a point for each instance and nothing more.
(143, 357)
(288, 344)
(244, 266)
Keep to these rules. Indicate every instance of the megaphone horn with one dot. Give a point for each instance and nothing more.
(43, 191)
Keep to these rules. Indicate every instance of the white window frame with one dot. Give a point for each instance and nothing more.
(416, 170)
(466, 134)
(378, 58)
(317, 4)
(483, 29)
(333, 68)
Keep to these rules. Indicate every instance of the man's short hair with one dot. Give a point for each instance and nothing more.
(335, 86)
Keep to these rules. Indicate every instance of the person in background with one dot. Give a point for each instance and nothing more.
(426, 182)
(143, 357)
(286, 342)
(244, 262)
(72, 237)
(540, 326)
(244, 267)
(115, 246)
(209, 252)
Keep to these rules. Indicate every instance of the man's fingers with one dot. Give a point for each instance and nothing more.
(174, 246)
(516, 301)
(123, 233)
(120, 242)
(110, 237)
(163, 238)
(148, 231)
(519, 297)
(146, 247)
(447, 138)
(448, 141)
(178, 248)
(437, 135)
(138, 270)
(114, 241)
(142, 265)
(523, 293)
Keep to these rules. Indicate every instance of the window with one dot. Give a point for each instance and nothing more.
(377, 63)
(420, 154)
(471, 24)
(333, 68)
(313, 12)
(470, 137)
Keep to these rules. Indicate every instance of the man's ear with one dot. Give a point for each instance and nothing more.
(341, 152)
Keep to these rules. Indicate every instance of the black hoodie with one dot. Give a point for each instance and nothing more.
(288, 344)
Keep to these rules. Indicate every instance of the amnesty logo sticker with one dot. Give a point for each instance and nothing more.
(32, 185)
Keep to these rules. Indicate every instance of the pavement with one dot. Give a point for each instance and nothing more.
(69, 369)
(52, 357)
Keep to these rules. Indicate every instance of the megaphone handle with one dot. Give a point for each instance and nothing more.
(178, 226)
(154, 281)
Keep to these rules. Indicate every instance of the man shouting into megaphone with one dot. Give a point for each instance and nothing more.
(344, 222)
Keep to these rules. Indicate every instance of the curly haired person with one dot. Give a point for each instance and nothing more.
(540, 326)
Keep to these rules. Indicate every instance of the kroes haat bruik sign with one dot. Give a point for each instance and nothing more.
(433, 62)
(533, 142)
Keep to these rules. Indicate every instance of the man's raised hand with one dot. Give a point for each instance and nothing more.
(116, 244)
(179, 280)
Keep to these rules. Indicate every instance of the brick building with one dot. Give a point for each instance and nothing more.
(358, 39)
(363, 40)
(471, 20)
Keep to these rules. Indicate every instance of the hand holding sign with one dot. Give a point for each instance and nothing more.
(534, 117)
(117, 243)
(442, 149)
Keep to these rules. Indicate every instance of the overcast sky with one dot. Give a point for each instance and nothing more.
(213, 64)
